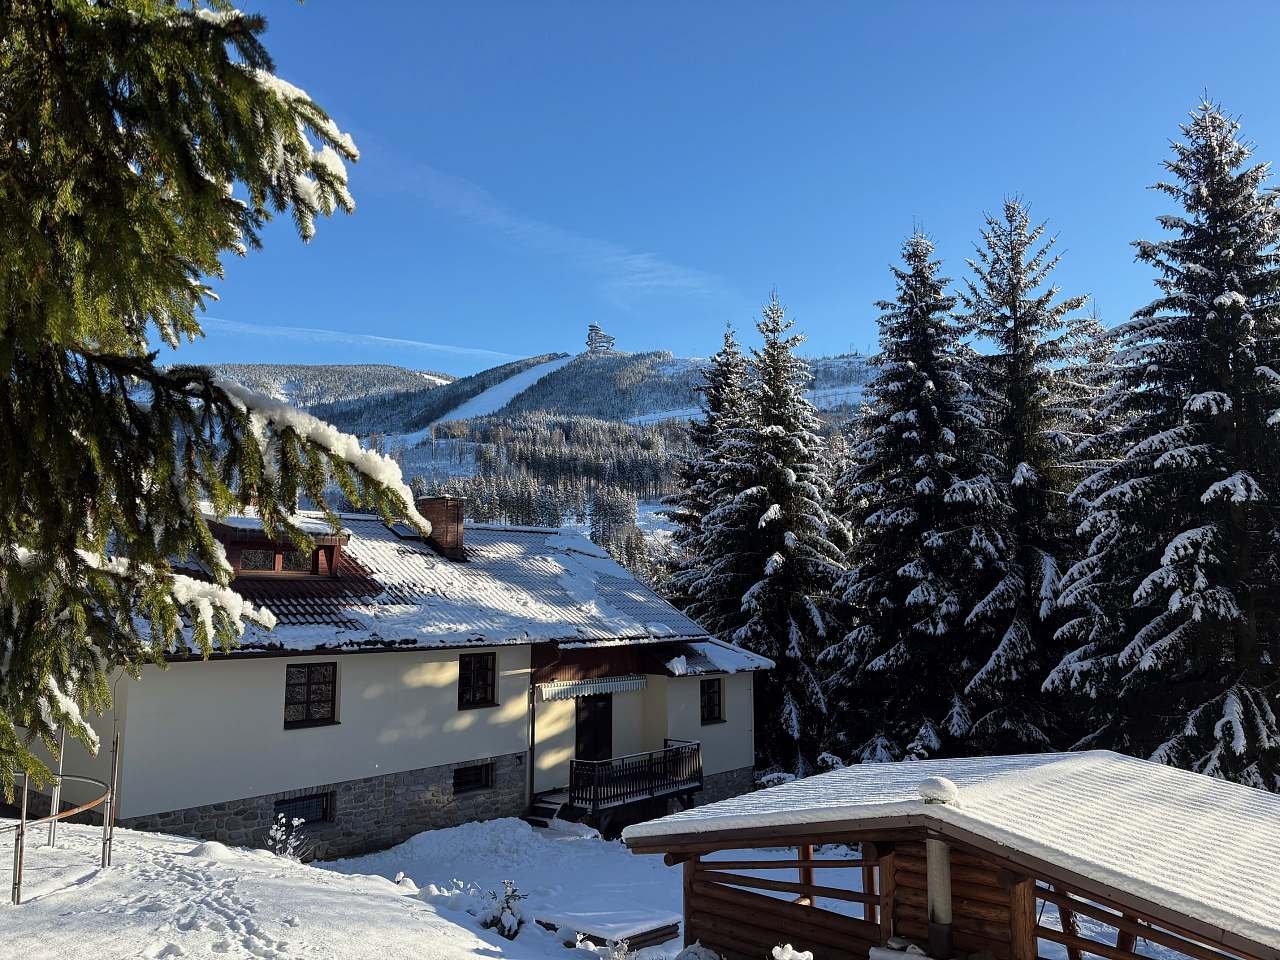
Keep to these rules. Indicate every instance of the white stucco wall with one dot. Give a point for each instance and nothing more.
(205, 732)
(628, 724)
(725, 746)
(555, 733)
(642, 720)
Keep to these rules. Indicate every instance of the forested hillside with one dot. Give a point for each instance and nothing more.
(419, 407)
(313, 385)
(548, 470)
(614, 386)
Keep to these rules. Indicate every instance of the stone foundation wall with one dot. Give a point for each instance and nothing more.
(730, 783)
(367, 814)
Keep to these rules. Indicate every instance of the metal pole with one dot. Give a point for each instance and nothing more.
(115, 787)
(55, 802)
(16, 893)
(108, 811)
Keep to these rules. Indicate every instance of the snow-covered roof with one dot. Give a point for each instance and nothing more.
(518, 585)
(1203, 848)
(713, 656)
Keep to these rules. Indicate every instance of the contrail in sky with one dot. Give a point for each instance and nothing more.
(318, 334)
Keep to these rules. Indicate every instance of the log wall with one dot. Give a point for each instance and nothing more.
(732, 914)
(982, 919)
(743, 908)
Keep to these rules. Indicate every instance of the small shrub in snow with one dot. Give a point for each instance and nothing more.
(617, 950)
(787, 952)
(829, 761)
(696, 951)
(287, 839)
(774, 779)
(503, 912)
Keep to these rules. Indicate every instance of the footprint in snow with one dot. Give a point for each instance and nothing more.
(160, 951)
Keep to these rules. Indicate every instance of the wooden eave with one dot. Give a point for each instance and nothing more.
(253, 536)
(917, 826)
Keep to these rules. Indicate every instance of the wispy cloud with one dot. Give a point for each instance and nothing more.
(321, 335)
(622, 272)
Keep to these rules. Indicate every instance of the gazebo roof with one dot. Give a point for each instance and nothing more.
(1183, 846)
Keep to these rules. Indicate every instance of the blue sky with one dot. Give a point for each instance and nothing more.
(528, 168)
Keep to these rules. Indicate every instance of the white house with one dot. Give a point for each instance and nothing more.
(413, 684)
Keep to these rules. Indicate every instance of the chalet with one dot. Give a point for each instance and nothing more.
(1010, 858)
(414, 683)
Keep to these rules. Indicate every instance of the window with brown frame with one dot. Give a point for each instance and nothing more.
(296, 561)
(477, 680)
(257, 561)
(712, 691)
(310, 694)
(268, 559)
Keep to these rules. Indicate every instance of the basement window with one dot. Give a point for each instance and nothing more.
(476, 777)
(313, 808)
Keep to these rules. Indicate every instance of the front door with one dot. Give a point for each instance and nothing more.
(594, 727)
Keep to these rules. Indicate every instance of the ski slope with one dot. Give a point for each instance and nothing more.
(499, 395)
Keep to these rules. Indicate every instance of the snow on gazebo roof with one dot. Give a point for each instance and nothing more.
(1204, 848)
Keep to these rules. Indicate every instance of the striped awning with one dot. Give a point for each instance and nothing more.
(568, 689)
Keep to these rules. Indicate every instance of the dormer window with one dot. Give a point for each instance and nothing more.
(252, 554)
(260, 561)
(272, 559)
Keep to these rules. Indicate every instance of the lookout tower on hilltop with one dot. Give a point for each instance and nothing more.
(598, 342)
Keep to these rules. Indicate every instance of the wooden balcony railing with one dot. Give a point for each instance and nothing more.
(595, 785)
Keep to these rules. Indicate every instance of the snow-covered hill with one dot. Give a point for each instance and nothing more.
(308, 385)
(639, 387)
(497, 397)
(646, 387)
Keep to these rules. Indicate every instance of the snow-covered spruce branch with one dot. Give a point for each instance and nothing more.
(200, 597)
(278, 414)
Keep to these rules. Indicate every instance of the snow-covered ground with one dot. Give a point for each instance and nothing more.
(172, 897)
(569, 875)
(499, 395)
(168, 896)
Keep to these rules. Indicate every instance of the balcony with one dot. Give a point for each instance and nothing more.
(676, 769)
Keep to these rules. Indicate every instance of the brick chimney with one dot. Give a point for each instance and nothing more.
(445, 516)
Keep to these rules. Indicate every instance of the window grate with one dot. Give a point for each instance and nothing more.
(477, 680)
(476, 777)
(310, 694)
(313, 808)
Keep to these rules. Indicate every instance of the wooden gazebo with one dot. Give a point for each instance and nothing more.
(1013, 857)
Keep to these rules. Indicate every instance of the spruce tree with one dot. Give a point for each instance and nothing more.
(722, 395)
(140, 144)
(770, 566)
(1027, 386)
(1174, 628)
(895, 678)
